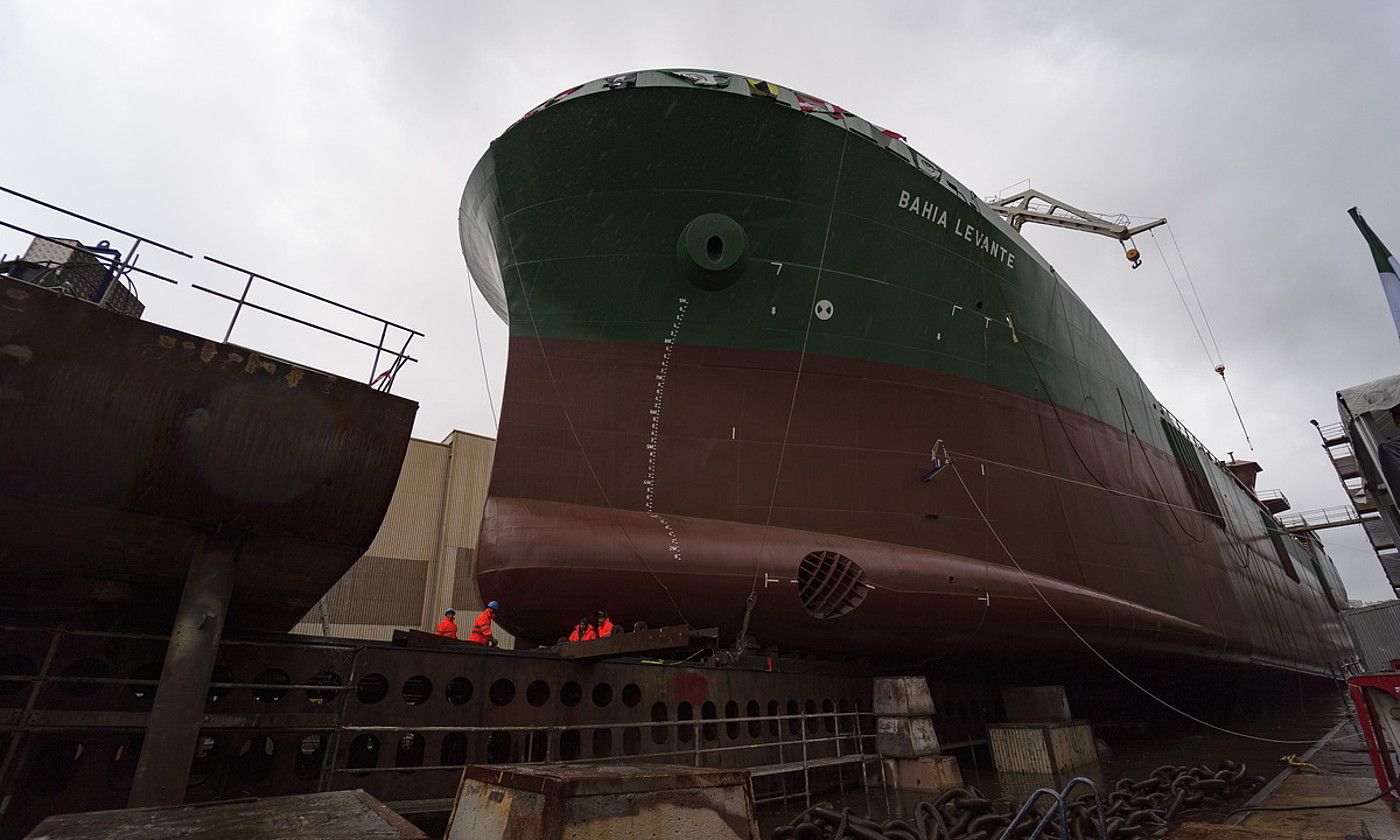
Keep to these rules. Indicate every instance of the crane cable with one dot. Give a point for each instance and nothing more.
(1217, 359)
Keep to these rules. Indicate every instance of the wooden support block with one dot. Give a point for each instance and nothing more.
(905, 737)
(903, 696)
(1041, 747)
(602, 802)
(930, 774)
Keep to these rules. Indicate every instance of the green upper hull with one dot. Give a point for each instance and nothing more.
(823, 207)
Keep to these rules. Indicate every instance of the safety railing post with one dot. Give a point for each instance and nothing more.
(806, 776)
(378, 351)
(239, 308)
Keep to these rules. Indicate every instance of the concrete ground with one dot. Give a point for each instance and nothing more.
(1345, 776)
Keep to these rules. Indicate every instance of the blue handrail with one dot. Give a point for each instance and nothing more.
(1059, 808)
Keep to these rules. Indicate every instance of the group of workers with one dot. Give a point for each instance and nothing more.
(593, 628)
(597, 627)
(481, 628)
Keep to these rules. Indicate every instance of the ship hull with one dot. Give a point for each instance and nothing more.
(677, 436)
(126, 444)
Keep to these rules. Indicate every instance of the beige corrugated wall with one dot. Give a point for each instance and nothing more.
(423, 559)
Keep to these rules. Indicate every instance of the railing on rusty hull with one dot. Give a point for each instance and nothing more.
(120, 264)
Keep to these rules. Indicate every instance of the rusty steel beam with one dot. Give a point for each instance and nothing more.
(173, 733)
(643, 641)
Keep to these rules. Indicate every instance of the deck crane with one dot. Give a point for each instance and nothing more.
(1031, 205)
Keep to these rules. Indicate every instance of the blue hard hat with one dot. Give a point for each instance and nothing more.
(493, 605)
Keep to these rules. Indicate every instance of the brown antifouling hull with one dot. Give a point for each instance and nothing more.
(1100, 526)
(126, 443)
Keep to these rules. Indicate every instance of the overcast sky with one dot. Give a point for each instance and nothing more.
(327, 144)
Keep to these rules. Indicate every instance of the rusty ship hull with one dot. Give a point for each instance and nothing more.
(746, 331)
(127, 444)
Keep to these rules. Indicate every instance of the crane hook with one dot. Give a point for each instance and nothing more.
(1131, 252)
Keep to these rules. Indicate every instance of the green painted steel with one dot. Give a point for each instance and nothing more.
(820, 206)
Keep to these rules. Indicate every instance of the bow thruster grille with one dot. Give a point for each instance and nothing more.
(830, 584)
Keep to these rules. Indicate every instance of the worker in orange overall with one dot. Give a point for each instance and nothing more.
(584, 631)
(481, 628)
(605, 626)
(448, 626)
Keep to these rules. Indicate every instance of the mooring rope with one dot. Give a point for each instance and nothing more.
(1095, 651)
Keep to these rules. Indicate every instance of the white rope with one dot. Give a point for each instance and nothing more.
(1095, 651)
(1184, 305)
(1217, 360)
(481, 352)
(1205, 316)
(801, 359)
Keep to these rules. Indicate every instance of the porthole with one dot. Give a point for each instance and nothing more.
(371, 688)
(221, 682)
(537, 693)
(810, 710)
(631, 740)
(844, 722)
(498, 747)
(502, 692)
(410, 750)
(364, 754)
(569, 745)
(602, 743)
(537, 745)
(311, 755)
(267, 681)
(417, 689)
(631, 695)
(255, 759)
(794, 721)
(775, 726)
(206, 759)
(602, 694)
(122, 771)
(731, 726)
(149, 675)
(752, 712)
(318, 696)
(454, 749)
(684, 714)
(828, 719)
(458, 691)
(570, 693)
(709, 731)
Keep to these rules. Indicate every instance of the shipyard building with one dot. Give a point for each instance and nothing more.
(423, 559)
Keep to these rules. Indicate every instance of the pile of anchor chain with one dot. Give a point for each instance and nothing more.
(1132, 809)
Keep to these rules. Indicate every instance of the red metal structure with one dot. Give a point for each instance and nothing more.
(1376, 698)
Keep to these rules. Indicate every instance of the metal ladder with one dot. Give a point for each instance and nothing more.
(1060, 808)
